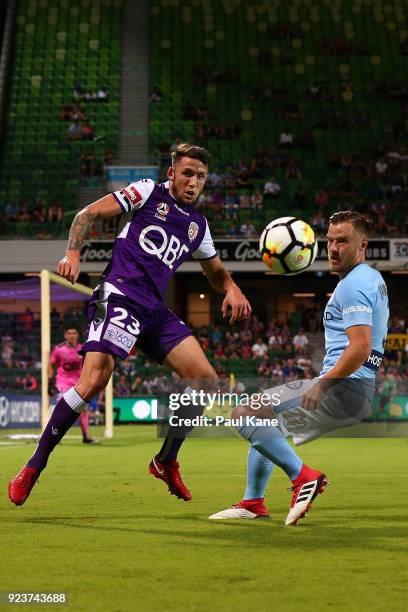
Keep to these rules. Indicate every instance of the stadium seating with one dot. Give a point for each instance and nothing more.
(58, 45)
(254, 64)
(251, 67)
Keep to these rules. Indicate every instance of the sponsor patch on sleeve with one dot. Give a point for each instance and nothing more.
(357, 308)
(131, 196)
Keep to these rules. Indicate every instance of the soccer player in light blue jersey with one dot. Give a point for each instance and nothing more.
(355, 322)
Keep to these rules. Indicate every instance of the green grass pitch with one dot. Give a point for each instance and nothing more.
(100, 528)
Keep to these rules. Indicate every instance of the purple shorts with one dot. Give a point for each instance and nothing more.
(117, 324)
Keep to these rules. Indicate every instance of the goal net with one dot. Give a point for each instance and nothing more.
(33, 315)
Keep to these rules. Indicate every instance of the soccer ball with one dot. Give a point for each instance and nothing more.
(288, 245)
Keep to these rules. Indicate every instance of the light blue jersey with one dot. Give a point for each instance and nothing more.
(360, 298)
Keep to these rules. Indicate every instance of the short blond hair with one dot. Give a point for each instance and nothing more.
(360, 223)
(189, 150)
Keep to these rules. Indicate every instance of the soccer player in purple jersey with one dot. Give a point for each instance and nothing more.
(157, 229)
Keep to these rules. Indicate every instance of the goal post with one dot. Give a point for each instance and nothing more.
(46, 278)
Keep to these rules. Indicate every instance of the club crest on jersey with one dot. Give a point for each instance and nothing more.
(192, 231)
(162, 211)
(294, 384)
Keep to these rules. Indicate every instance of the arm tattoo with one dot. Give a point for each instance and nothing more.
(80, 227)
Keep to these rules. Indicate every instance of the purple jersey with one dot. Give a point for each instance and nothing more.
(155, 235)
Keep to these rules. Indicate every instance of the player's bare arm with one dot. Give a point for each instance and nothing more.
(352, 358)
(220, 279)
(104, 208)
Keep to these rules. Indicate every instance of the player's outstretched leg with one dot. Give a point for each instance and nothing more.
(164, 465)
(65, 414)
(269, 441)
(252, 506)
(188, 360)
(94, 377)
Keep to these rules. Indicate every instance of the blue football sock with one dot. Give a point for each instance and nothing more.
(271, 444)
(259, 471)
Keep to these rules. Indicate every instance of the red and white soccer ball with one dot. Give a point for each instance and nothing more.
(288, 245)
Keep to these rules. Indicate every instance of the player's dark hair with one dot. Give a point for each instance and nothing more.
(68, 327)
(189, 150)
(360, 223)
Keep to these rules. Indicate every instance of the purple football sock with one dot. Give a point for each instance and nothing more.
(176, 434)
(61, 420)
(169, 449)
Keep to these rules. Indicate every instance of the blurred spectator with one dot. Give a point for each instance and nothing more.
(102, 94)
(163, 383)
(318, 222)
(29, 383)
(122, 388)
(75, 131)
(286, 139)
(265, 368)
(381, 167)
(77, 114)
(148, 386)
(55, 212)
(107, 156)
(43, 234)
(292, 170)
(88, 163)
(219, 352)
(246, 350)
(12, 211)
(88, 132)
(257, 200)
(212, 179)
(259, 348)
(136, 386)
(290, 370)
(39, 212)
(77, 91)
(300, 342)
(248, 230)
(66, 112)
(25, 319)
(216, 334)
(24, 215)
(7, 351)
(272, 188)
(387, 388)
(321, 198)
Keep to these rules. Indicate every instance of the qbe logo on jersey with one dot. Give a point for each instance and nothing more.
(170, 249)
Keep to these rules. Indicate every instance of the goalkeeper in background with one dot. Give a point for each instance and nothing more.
(68, 363)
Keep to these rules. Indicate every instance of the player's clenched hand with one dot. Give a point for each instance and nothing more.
(237, 302)
(69, 266)
(311, 399)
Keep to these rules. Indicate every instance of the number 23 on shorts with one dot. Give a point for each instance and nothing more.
(133, 327)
